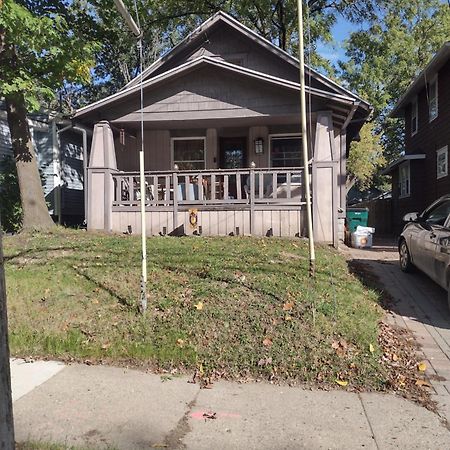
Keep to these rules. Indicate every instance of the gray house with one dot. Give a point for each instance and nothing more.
(222, 141)
(59, 151)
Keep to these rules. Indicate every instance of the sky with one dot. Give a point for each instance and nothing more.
(341, 30)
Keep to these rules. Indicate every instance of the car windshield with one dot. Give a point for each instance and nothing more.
(438, 215)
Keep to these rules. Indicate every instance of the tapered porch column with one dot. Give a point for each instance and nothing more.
(102, 163)
(325, 181)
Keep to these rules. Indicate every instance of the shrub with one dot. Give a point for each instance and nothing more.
(10, 206)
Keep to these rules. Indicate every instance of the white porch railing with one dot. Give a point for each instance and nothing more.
(231, 189)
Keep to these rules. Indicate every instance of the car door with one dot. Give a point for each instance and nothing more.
(432, 232)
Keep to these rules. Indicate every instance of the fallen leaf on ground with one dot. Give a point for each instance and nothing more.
(288, 306)
(422, 367)
(180, 342)
(371, 348)
(342, 383)
(199, 306)
(267, 342)
(423, 383)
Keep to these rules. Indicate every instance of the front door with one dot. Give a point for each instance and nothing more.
(233, 155)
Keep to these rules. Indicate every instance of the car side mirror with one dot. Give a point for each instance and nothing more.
(411, 217)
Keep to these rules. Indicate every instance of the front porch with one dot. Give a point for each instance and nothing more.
(261, 202)
(214, 185)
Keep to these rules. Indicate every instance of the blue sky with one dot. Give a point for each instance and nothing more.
(341, 31)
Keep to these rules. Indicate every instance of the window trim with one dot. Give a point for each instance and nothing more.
(281, 136)
(415, 114)
(434, 80)
(407, 194)
(442, 150)
(187, 138)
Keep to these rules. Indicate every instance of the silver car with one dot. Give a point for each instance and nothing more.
(425, 242)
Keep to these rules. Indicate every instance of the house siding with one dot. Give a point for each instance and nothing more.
(430, 137)
(72, 197)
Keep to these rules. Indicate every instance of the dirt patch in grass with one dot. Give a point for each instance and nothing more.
(236, 308)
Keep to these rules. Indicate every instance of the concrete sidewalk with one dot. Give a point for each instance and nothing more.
(100, 407)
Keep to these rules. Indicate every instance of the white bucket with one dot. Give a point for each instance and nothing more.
(361, 240)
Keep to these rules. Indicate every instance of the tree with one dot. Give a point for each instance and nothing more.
(365, 158)
(385, 57)
(37, 53)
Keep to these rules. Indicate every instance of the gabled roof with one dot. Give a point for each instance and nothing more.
(432, 68)
(213, 62)
(238, 26)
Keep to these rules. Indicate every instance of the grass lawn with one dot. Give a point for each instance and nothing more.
(240, 308)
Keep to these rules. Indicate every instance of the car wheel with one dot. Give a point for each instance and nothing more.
(405, 259)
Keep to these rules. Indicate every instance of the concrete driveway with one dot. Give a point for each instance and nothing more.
(419, 305)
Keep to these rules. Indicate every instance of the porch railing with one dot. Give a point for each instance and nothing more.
(236, 187)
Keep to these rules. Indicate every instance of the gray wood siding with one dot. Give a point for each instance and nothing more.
(209, 93)
(228, 44)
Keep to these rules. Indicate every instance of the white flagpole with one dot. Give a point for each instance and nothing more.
(312, 253)
(138, 33)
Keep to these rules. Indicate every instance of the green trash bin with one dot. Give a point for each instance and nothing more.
(355, 217)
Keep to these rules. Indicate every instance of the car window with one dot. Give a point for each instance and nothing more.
(438, 215)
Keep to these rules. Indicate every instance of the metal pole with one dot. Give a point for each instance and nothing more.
(138, 33)
(312, 253)
(143, 194)
(127, 17)
(6, 412)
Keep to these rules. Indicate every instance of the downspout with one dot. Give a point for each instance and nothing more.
(84, 132)
(57, 155)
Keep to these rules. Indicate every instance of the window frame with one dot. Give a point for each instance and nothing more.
(282, 136)
(188, 138)
(434, 81)
(407, 192)
(442, 151)
(415, 116)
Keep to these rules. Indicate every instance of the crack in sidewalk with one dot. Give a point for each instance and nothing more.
(368, 421)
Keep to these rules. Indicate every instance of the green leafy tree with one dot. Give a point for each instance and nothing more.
(387, 55)
(365, 158)
(38, 51)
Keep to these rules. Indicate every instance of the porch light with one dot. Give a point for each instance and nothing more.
(259, 145)
(175, 167)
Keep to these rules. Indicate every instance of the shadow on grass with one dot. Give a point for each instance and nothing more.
(122, 300)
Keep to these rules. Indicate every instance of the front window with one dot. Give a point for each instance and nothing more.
(442, 162)
(414, 117)
(286, 151)
(404, 179)
(189, 153)
(433, 99)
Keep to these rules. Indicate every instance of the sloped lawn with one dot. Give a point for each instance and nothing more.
(235, 307)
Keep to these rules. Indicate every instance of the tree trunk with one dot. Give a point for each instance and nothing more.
(6, 413)
(35, 211)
